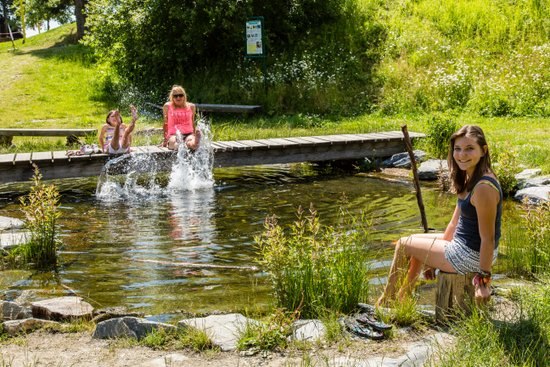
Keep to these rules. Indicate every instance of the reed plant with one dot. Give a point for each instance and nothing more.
(315, 267)
(41, 214)
(526, 244)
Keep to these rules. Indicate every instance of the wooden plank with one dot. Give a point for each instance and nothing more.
(42, 156)
(60, 155)
(235, 145)
(226, 145)
(299, 141)
(47, 132)
(7, 158)
(316, 140)
(253, 144)
(23, 158)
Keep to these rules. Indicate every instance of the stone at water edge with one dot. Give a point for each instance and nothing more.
(431, 169)
(14, 327)
(13, 311)
(11, 239)
(534, 195)
(129, 327)
(62, 308)
(10, 223)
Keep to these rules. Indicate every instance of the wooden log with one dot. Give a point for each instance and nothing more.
(454, 296)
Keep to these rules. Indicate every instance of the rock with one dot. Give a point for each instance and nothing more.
(14, 311)
(172, 359)
(129, 327)
(14, 327)
(534, 182)
(309, 330)
(62, 308)
(13, 239)
(10, 223)
(223, 330)
(431, 169)
(533, 195)
(402, 160)
(113, 312)
(528, 173)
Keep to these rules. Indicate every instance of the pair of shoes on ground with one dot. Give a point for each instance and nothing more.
(365, 323)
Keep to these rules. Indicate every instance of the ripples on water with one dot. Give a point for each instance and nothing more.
(125, 242)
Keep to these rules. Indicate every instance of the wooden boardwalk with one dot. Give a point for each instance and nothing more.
(16, 167)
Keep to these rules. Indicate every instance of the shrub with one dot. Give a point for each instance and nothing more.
(440, 129)
(269, 335)
(506, 167)
(41, 213)
(315, 267)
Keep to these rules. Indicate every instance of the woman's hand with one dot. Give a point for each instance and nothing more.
(133, 110)
(482, 294)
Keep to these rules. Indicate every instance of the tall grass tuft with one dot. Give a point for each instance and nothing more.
(517, 339)
(41, 213)
(526, 245)
(313, 267)
(269, 335)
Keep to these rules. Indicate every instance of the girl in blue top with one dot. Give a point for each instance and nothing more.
(470, 241)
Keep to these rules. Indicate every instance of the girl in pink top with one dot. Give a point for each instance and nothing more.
(179, 116)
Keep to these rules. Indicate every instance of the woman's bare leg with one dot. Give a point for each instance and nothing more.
(193, 140)
(173, 143)
(127, 136)
(421, 250)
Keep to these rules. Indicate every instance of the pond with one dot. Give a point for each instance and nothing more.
(132, 251)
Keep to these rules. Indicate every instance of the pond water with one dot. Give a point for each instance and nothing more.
(184, 241)
(130, 251)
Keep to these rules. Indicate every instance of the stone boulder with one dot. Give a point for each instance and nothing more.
(129, 327)
(11, 239)
(112, 313)
(534, 195)
(431, 169)
(223, 330)
(62, 308)
(14, 327)
(7, 223)
(13, 311)
(402, 160)
(308, 330)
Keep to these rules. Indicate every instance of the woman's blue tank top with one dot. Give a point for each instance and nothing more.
(467, 229)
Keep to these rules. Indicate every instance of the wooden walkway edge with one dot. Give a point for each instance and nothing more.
(17, 167)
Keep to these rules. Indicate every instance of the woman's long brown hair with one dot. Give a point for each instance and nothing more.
(460, 182)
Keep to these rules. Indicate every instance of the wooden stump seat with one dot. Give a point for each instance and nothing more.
(455, 294)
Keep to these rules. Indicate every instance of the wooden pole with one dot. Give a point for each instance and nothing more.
(408, 145)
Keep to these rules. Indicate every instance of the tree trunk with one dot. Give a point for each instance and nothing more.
(80, 17)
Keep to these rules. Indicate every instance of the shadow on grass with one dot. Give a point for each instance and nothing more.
(524, 341)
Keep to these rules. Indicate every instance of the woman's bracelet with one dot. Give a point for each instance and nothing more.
(482, 278)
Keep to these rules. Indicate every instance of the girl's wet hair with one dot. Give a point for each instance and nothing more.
(460, 182)
(109, 115)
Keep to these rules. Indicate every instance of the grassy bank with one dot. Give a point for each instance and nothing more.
(50, 82)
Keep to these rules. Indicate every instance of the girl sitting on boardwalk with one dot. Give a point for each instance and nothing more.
(179, 116)
(115, 137)
(470, 241)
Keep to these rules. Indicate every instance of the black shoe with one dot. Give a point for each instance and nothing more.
(366, 308)
(363, 331)
(368, 319)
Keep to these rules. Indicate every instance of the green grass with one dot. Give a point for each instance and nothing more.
(51, 83)
(519, 338)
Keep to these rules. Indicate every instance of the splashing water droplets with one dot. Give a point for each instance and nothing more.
(135, 177)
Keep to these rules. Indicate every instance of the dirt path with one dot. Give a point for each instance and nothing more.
(42, 348)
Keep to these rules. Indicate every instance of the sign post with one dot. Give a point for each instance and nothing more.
(255, 43)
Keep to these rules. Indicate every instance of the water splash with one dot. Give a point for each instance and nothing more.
(138, 177)
(193, 169)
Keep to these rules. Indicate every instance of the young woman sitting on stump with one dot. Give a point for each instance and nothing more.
(470, 241)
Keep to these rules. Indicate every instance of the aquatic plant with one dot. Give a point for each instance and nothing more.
(506, 167)
(41, 213)
(315, 267)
